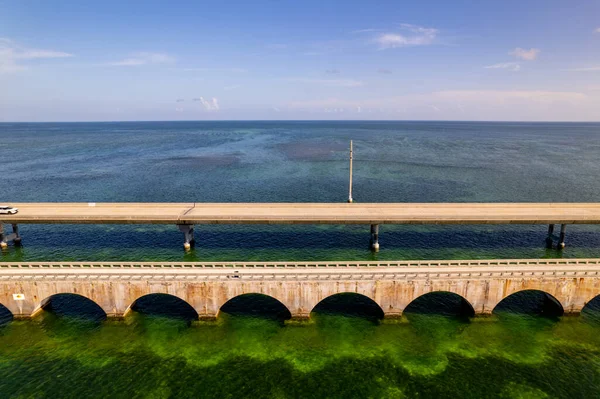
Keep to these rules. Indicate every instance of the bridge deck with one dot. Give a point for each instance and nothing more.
(306, 213)
(397, 270)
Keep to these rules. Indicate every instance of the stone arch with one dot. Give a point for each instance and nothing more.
(530, 301)
(444, 303)
(351, 304)
(71, 305)
(6, 315)
(163, 305)
(256, 305)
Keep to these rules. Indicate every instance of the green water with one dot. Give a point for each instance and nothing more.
(429, 356)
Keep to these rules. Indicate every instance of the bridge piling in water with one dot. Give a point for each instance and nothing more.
(550, 237)
(15, 237)
(561, 239)
(375, 237)
(188, 235)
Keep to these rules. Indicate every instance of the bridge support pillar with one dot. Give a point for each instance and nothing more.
(550, 238)
(14, 237)
(375, 237)
(188, 234)
(3, 243)
(561, 239)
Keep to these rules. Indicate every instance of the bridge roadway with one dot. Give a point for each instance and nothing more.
(306, 213)
(26, 288)
(186, 215)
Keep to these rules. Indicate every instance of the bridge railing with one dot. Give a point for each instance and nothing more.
(296, 265)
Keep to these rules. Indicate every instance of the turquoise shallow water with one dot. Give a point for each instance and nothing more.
(248, 355)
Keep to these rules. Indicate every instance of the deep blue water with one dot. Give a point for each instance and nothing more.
(298, 162)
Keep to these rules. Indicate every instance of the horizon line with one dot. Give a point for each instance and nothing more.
(304, 120)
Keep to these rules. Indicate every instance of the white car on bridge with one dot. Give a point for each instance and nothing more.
(8, 210)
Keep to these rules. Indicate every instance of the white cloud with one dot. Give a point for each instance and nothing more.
(527, 55)
(12, 55)
(209, 105)
(234, 70)
(597, 30)
(585, 69)
(33, 54)
(539, 96)
(412, 35)
(475, 104)
(331, 82)
(144, 58)
(513, 66)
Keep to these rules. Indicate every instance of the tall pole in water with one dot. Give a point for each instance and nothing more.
(350, 188)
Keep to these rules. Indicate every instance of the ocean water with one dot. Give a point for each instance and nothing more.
(298, 162)
(527, 350)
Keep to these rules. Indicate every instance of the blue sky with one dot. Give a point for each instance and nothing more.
(194, 60)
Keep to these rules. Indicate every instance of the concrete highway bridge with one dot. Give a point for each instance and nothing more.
(27, 288)
(186, 215)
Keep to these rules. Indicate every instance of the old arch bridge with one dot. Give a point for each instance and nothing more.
(25, 288)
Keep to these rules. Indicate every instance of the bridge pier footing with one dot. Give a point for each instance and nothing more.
(15, 237)
(561, 239)
(375, 237)
(188, 234)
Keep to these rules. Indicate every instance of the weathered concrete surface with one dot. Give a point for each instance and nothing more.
(306, 213)
(206, 288)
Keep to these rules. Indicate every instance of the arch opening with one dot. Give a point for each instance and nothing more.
(166, 306)
(440, 303)
(530, 302)
(349, 304)
(591, 310)
(6, 315)
(257, 306)
(73, 306)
